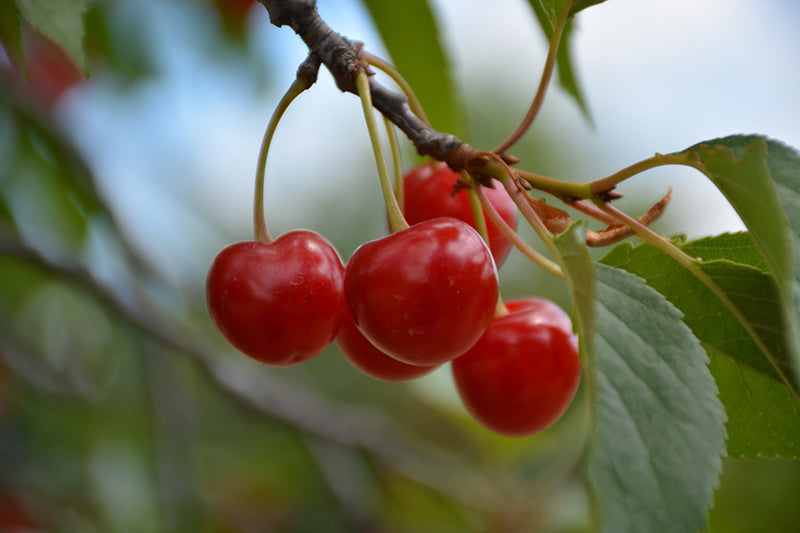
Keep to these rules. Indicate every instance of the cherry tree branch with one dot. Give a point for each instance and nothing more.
(343, 58)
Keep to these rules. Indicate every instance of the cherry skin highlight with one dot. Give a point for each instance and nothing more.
(429, 193)
(521, 376)
(368, 359)
(280, 303)
(423, 295)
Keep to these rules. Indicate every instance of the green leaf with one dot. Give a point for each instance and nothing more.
(749, 170)
(420, 57)
(547, 12)
(62, 21)
(763, 414)
(741, 352)
(10, 34)
(711, 320)
(567, 77)
(547, 15)
(659, 435)
(745, 180)
(580, 5)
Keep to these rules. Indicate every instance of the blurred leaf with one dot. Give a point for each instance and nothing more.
(10, 34)
(580, 5)
(43, 202)
(419, 56)
(62, 22)
(45, 183)
(550, 9)
(658, 425)
(547, 14)
(116, 41)
(749, 385)
(52, 327)
(748, 169)
(753, 497)
(17, 281)
(566, 73)
(6, 217)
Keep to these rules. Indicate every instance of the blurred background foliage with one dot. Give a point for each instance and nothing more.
(121, 408)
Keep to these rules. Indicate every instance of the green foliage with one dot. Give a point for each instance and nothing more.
(746, 170)
(108, 386)
(62, 21)
(745, 356)
(10, 33)
(547, 13)
(658, 427)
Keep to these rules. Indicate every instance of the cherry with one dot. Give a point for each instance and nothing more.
(429, 192)
(423, 295)
(15, 516)
(280, 303)
(49, 71)
(522, 374)
(363, 355)
(234, 13)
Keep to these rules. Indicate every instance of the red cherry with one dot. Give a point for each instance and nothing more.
(370, 360)
(15, 516)
(49, 70)
(521, 376)
(233, 13)
(429, 193)
(280, 303)
(423, 295)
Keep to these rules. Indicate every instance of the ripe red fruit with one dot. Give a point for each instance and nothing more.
(234, 12)
(371, 361)
(49, 72)
(423, 295)
(522, 374)
(428, 193)
(280, 303)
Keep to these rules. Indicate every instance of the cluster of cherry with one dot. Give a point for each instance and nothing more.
(406, 304)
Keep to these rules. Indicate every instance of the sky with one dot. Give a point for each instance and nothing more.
(178, 153)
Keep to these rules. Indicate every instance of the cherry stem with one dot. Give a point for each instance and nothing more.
(397, 162)
(477, 212)
(300, 84)
(394, 74)
(396, 220)
(491, 164)
(547, 74)
(606, 184)
(475, 202)
(514, 237)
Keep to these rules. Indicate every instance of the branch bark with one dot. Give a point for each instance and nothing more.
(342, 57)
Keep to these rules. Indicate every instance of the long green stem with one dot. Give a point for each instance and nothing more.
(397, 162)
(259, 221)
(475, 202)
(496, 168)
(514, 237)
(658, 160)
(544, 82)
(477, 212)
(413, 101)
(396, 220)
